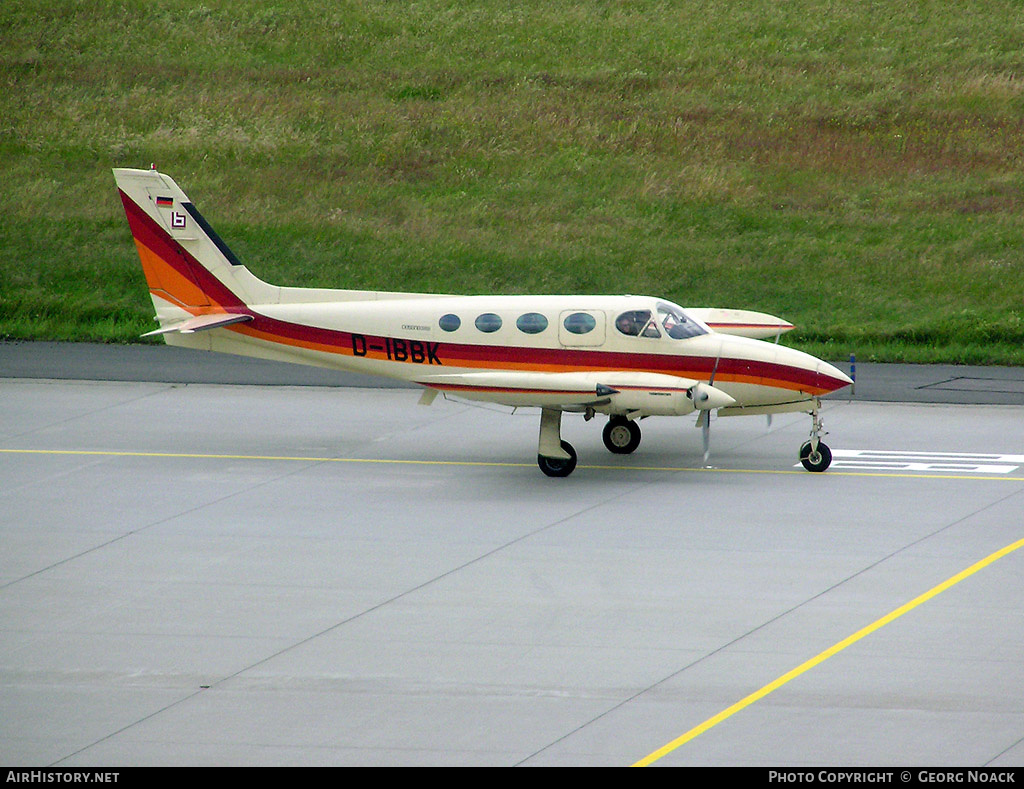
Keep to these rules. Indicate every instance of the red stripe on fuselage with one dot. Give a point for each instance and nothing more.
(512, 358)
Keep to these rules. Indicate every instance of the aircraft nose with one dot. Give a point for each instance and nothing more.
(816, 376)
(831, 378)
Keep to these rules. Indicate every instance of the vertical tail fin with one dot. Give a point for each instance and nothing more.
(189, 269)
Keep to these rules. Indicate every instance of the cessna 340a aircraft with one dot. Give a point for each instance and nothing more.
(626, 357)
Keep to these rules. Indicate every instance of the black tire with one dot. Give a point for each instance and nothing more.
(815, 461)
(621, 436)
(557, 467)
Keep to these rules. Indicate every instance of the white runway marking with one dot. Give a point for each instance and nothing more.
(906, 460)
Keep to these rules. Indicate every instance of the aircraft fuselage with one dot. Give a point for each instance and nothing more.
(403, 338)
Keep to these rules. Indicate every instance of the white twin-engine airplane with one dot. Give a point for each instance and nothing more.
(627, 357)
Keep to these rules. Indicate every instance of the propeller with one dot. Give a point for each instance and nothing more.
(704, 422)
(705, 398)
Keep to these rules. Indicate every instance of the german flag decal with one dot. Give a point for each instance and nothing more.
(165, 202)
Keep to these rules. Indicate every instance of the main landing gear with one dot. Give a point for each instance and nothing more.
(558, 467)
(621, 435)
(555, 457)
(814, 454)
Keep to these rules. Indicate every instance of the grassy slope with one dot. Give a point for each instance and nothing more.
(855, 168)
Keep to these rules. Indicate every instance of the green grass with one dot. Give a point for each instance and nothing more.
(855, 168)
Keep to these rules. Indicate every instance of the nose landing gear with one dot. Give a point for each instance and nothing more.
(815, 454)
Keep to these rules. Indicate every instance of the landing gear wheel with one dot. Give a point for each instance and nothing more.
(557, 467)
(817, 460)
(621, 436)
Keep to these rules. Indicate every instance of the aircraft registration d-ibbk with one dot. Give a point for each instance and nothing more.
(625, 357)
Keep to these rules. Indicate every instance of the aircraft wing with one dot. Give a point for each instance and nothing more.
(743, 323)
(613, 392)
(201, 323)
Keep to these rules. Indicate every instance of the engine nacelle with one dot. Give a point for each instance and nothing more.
(706, 397)
(663, 401)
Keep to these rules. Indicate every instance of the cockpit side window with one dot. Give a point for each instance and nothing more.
(676, 324)
(637, 323)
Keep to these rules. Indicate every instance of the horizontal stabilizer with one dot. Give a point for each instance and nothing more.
(201, 323)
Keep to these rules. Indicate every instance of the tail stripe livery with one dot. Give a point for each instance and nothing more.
(172, 272)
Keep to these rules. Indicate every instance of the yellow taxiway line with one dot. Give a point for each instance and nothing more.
(823, 656)
(502, 464)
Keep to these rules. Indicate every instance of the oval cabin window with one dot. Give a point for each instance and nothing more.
(449, 322)
(488, 322)
(532, 323)
(580, 323)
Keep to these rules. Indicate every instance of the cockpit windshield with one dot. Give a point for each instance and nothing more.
(676, 324)
(670, 319)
